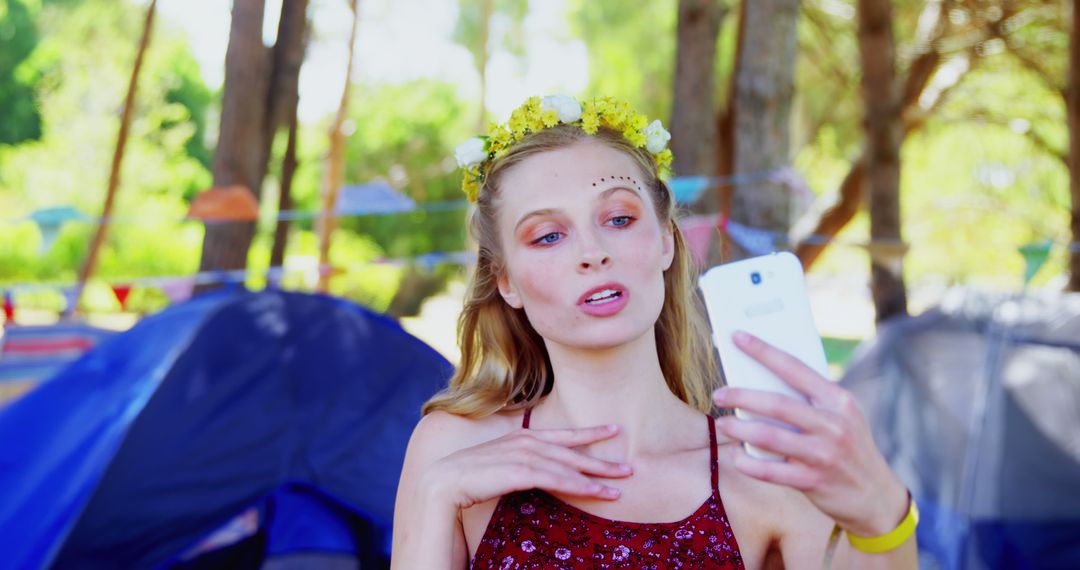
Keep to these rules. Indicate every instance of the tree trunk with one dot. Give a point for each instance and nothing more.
(118, 158)
(334, 174)
(285, 201)
(1072, 106)
(693, 140)
(851, 189)
(281, 110)
(764, 85)
(883, 134)
(238, 159)
(725, 128)
(719, 199)
(284, 82)
(482, 61)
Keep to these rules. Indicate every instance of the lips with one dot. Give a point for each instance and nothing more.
(602, 293)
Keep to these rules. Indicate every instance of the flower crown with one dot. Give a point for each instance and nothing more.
(476, 154)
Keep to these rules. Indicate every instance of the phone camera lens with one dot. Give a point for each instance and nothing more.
(755, 278)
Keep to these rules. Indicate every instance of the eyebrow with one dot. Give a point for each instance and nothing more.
(603, 195)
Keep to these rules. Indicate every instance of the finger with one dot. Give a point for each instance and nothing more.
(555, 479)
(776, 406)
(582, 462)
(576, 436)
(803, 448)
(790, 473)
(788, 368)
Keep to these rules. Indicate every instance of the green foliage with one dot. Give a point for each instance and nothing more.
(363, 279)
(404, 134)
(631, 50)
(83, 59)
(18, 37)
(186, 88)
(504, 27)
(979, 190)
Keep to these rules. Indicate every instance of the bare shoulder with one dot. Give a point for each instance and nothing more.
(435, 436)
(440, 433)
(766, 515)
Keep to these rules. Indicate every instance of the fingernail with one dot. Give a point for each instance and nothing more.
(625, 467)
(720, 395)
(741, 339)
(596, 488)
(612, 427)
(612, 492)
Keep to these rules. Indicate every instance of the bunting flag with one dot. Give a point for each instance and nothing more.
(372, 198)
(699, 231)
(755, 241)
(9, 307)
(49, 222)
(49, 232)
(430, 260)
(225, 204)
(177, 289)
(121, 292)
(797, 187)
(1035, 255)
(70, 299)
(687, 189)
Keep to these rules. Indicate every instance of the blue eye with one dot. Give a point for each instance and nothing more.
(548, 238)
(621, 221)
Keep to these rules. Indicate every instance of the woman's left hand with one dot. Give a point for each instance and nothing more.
(832, 459)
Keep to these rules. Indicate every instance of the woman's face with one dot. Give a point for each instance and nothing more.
(584, 251)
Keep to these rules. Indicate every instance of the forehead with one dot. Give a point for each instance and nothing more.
(585, 168)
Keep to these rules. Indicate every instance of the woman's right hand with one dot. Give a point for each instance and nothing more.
(525, 459)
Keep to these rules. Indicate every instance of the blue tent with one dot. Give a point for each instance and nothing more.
(229, 431)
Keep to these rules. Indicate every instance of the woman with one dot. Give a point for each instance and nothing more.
(575, 432)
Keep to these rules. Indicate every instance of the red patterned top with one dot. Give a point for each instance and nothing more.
(534, 529)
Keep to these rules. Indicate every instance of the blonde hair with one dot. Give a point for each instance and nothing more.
(504, 362)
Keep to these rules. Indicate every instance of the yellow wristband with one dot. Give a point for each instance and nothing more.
(893, 538)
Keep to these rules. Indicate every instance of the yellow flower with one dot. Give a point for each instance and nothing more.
(663, 159)
(471, 186)
(519, 122)
(590, 122)
(499, 140)
(536, 122)
(550, 118)
(532, 117)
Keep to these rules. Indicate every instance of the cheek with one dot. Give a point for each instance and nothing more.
(535, 284)
(644, 251)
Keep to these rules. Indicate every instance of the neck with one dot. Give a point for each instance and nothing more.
(621, 385)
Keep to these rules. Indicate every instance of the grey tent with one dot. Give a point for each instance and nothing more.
(976, 404)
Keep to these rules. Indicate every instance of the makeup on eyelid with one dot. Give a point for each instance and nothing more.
(627, 217)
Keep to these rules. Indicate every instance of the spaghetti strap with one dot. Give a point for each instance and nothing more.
(714, 467)
(525, 418)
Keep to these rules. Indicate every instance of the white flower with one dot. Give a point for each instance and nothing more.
(470, 152)
(565, 106)
(656, 138)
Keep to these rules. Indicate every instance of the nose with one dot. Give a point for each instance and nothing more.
(593, 255)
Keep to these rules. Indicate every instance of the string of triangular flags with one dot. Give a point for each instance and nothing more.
(179, 288)
(698, 230)
(235, 203)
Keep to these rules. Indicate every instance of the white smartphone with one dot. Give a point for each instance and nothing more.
(766, 297)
